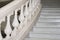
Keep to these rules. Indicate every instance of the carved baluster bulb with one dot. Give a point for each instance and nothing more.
(8, 29)
(15, 21)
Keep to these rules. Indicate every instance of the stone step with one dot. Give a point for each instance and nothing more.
(44, 32)
(49, 16)
(50, 11)
(49, 20)
(40, 39)
(47, 30)
(48, 24)
(49, 36)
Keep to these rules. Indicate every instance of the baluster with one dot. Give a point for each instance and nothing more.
(8, 29)
(30, 5)
(15, 21)
(21, 17)
(26, 13)
(15, 24)
(30, 8)
(26, 10)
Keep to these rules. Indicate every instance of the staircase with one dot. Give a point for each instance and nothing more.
(47, 26)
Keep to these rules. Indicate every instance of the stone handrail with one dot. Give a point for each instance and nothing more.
(17, 17)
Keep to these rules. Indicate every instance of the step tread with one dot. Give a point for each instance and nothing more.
(50, 36)
(47, 29)
(47, 24)
(45, 32)
(49, 20)
(49, 16)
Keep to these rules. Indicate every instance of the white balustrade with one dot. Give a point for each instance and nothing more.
(27, 12)
(8, 29)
